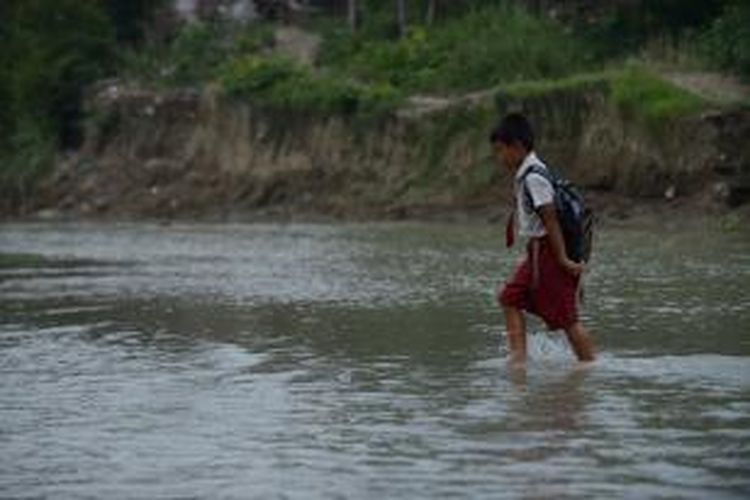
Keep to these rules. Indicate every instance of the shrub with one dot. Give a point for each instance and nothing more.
(57, 49)
(616, 29)
(131, 18)
(51, 51)
(482, 48)
(252, 75)
(30, 152)
(727, 42)
(282, 83)
(195, 55)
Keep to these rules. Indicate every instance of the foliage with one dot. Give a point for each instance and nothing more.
(532, 88)
(626, 28)
(56, 48)
(378, 18)
(253, 75)
(643, 95)
(6, 112)
(28, 154)
(726, 43)
(195, 55)
(480, 49)
(636, 91)
(131, 18)
(52, 50)
(281, 82)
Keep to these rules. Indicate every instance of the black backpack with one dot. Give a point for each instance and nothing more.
(575, 217)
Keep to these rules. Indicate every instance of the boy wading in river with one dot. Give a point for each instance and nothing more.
(546, 281)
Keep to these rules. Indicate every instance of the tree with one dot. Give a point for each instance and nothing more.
(132, 18)
(401, 17)
(353, 15)
(431, 12)
(51, 50)
(54, 48)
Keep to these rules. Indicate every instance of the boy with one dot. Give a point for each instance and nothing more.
(546, 282)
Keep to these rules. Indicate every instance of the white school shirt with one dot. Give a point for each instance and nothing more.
(530, 224)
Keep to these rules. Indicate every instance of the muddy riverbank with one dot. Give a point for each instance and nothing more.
(185, 154)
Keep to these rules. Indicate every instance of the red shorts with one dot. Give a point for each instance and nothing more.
(551, 294)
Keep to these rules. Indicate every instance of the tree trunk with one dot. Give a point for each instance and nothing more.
(401, 15)
(352, 14)
(431, 11)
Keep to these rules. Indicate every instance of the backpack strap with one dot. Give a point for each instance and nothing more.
(539, 170)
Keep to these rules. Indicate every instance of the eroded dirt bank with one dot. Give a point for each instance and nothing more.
(188, 154)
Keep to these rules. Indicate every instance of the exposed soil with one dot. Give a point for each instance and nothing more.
(715, 87)
(184, 154)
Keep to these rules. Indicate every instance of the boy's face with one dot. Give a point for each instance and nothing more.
(511, 155)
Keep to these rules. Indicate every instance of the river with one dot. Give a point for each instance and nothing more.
(363, 361)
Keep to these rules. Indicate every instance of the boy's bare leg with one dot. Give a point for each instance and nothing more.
(515, 324)
(580, 341)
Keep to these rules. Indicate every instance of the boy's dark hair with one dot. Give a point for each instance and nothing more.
(514, 127)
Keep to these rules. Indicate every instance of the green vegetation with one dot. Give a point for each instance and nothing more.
(52, 50)
(711, 34)
(643, 95)
(533, 88)
(726, 44)
(132, 19)
(635, 90)
(282, 83)
(369, 72)
(195, 55)
(242, 62)
(628, 28)
(486, 46)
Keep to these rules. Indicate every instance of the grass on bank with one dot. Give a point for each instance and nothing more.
(284, 84)
(535, 88)
(638, 92)
(641, 94)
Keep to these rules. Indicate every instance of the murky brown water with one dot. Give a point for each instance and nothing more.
(362, 361)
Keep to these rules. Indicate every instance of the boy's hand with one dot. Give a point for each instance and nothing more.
(552, 225)
(574, 268)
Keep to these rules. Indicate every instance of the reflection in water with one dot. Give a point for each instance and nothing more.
(361, 361)
(555, 403)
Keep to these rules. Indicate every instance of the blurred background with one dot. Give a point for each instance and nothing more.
(147, 95)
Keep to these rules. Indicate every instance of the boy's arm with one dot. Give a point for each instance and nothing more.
(548, 214)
